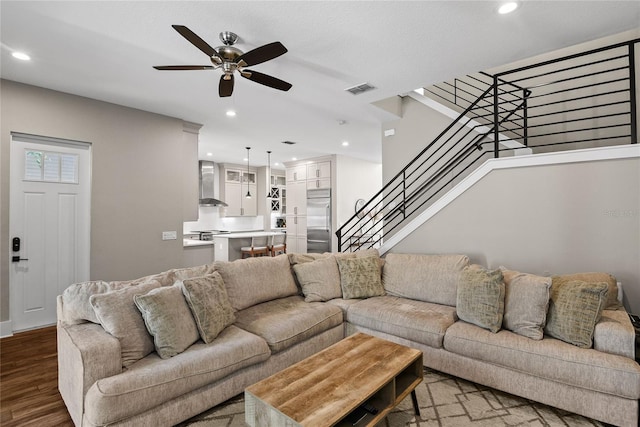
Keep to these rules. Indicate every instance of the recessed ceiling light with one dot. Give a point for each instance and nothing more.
(245, 160)
(345, 143)
(276, 164)
(507, 7)
(231, 113)
(209, 154)
(21, 56)
(294, 158)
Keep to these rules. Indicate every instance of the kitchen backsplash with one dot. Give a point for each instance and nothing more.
(210, 219)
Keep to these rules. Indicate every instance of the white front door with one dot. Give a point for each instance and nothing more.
(49, 218)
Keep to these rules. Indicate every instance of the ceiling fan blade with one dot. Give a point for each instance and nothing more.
(196, 40)
(225, 88)
(262, 54)
(265, 79)
(184, 67)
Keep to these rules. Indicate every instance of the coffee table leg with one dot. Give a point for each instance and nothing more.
(414, 399)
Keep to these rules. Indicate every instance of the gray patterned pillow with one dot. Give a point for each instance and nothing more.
(360, 277)
(480, 298)
(209, 303)
(574, 310)
(526, 301)
(595, 277)
(168, 318)
(320, 279)
(118, 315)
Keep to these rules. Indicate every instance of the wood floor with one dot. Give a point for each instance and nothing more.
(29, 381)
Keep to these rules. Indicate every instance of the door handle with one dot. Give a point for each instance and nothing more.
(18, 259)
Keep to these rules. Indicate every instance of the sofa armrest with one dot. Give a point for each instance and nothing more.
(86, 353)
(614, 334)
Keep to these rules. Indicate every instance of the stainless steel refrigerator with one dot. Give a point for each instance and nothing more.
(319, 220)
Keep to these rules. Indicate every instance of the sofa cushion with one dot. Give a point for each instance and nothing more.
(75, 301)
(418, 321)
(152, 381)
(430, 278)
(526, 301)
(320, 279)
(574, 310)
(481, 297)
(548, 358)
(168, 319)
(360, 277)
(209, 303)
(594, 277)
(615, 334)
(285, 322)
(252, 281)
(120, 317)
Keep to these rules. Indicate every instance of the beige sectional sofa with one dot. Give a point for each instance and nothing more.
(277, 311)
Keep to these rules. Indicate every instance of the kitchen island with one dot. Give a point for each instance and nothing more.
(224, 246)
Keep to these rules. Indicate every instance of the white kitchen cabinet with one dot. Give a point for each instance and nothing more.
(316, 183)
(296, 233)
(297, 173)
(297, 198)
(235, 197)
(319, 170)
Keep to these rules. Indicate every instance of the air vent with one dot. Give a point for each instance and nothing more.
(361, 88)
(288, 142)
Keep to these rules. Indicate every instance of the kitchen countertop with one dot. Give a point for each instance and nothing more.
(233, 235)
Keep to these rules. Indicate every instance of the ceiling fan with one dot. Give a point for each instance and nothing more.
(231, 59)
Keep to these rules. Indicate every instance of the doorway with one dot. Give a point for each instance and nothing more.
(49, 224)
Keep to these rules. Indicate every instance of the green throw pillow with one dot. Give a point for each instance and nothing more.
(574, 310)
(168, 319)
(360, 277)
(209, 303)
(480, 298)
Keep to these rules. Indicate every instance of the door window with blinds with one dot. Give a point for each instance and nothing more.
(49, 166)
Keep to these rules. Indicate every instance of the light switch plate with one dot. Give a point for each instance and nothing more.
(169, 235)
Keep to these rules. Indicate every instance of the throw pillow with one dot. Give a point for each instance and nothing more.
(480, 298)
(320, 279)
(526, 301)
(610, 280)
(168, 319)
(360, 277)
(574, 310)
(252, 281)
(209, 303)
(119, 316)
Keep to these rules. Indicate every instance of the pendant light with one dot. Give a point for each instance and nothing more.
(248, 196)
(269, 195)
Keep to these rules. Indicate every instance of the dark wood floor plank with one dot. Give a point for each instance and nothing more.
(29, 381)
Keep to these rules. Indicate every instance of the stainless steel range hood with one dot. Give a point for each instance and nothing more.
(207, 185)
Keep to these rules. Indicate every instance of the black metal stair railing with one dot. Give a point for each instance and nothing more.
(583, 100)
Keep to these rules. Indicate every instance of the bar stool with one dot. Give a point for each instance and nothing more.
(259, 247)
(278, 244)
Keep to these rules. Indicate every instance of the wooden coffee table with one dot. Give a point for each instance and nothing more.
(330, 387)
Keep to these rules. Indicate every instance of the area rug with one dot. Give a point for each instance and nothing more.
(444, 400)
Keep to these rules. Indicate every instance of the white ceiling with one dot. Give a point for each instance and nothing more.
(106, 50)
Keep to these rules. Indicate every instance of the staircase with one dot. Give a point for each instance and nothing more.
(585, 100)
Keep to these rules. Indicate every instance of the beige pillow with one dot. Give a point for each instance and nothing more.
(429, 278)
(320, 279)
(252, 281)
(75, 301)
(574, 310)
(526, 301)
(610, 280)
(360, 277)
(119, 316)
(480, 298)
(168, 318)
(209, 303)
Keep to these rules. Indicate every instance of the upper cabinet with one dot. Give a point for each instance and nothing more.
(297, 173)
(233, 191)
(318, 175)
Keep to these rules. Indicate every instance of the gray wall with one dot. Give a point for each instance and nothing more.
(546, 220)
(138, 185)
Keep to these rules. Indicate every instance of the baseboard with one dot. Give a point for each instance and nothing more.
(6, 330)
